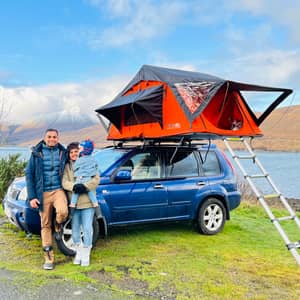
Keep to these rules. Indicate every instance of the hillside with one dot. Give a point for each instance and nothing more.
(95, 133)
(280, 129)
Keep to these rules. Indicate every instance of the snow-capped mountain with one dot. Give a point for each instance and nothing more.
(64, 121)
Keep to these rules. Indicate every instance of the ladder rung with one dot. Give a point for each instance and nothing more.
(286, 218)
(258, 175)
(270, 196)
(293, 245)
(234, 139)
(244, 156)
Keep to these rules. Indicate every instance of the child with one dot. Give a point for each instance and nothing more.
(85, 167)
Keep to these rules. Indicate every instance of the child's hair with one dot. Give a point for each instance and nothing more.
(87, 147)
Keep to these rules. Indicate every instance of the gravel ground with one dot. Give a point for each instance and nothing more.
(12, 288)
(9, 290)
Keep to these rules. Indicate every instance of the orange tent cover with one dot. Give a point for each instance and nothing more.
(161, 102)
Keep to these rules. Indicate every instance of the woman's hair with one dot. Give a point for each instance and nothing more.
(71, 146)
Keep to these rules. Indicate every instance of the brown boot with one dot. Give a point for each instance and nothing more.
(49, 258)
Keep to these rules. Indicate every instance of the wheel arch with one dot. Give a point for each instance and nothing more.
(103, 229)
(222, 198)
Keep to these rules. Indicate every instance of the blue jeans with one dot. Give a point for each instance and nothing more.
(83, 218)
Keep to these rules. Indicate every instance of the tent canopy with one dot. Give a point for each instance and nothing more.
(191, 98)
(149, 100)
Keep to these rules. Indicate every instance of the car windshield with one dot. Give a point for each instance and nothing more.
(106, 157)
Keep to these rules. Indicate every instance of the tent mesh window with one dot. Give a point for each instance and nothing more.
(193, 93)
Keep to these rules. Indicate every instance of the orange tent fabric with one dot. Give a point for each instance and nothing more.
(160, 103)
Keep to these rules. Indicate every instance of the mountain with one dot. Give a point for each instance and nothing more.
(35, 128)
(280, 132)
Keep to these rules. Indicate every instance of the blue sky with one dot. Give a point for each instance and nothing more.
(63, 55)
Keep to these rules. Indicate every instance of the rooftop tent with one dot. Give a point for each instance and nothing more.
(161, 102)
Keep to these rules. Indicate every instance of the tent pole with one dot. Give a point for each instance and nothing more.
(105, 126)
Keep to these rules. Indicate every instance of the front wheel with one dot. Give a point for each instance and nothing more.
(64, 240)
(211, 217)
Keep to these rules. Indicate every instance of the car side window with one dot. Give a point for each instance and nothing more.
(210, 163)
(181, 163)
(145, 166)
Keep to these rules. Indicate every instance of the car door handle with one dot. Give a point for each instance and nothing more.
(158, 186)
(201, 183)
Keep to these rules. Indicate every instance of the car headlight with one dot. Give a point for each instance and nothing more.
(12, 192)
(23, 194)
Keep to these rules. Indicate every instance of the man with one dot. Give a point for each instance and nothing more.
(43, 178)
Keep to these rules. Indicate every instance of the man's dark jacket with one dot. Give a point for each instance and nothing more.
(34, 171)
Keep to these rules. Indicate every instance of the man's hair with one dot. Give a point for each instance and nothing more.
(51, 129)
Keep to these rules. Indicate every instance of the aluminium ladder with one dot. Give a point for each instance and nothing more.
(263, 198)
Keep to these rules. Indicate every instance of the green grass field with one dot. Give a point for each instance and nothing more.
(247, 260)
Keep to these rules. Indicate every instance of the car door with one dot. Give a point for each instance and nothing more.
(183, 182)
(142, 198)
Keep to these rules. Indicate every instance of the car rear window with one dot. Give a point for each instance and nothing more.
(181, 163)
(210, 163)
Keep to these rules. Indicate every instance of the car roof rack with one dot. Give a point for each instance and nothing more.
(174, 141)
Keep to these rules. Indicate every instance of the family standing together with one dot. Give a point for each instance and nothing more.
(64, 180)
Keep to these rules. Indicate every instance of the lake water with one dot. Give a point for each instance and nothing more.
(23, 151)
(283, 167)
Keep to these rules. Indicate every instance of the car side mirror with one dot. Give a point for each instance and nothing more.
(123, 175)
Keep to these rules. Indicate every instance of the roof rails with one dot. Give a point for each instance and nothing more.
(174, 141)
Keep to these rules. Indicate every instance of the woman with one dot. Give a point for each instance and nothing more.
(84, 212)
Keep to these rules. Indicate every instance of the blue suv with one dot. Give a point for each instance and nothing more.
(148, 183)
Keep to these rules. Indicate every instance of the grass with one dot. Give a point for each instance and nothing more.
(247, 260)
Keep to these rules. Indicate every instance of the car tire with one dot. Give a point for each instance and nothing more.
(211, 217)
(64, 239)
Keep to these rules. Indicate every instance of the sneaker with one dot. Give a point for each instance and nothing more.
(78, 255)
(48, 266)
(85, 256)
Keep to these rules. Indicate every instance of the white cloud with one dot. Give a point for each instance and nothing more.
(29, 102)
(121, 7)
(279, 12)
(135, 21)
(275, 67)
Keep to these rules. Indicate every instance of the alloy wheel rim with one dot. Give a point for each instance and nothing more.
(213, 217)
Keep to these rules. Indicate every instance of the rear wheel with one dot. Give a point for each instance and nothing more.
(211, 217)
(64, 240)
